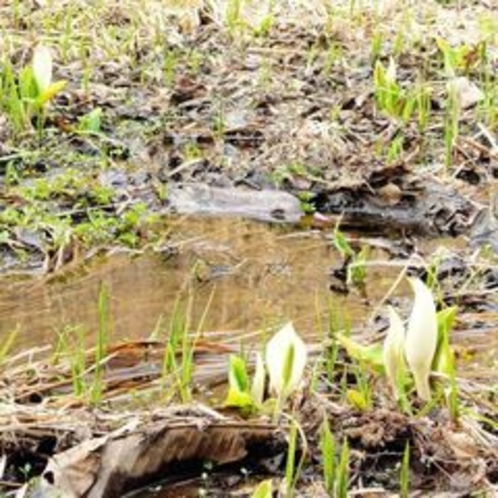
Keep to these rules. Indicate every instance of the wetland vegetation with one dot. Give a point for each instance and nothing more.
(248, 248)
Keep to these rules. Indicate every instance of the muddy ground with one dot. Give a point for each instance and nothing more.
(282, 100)
(272, 112)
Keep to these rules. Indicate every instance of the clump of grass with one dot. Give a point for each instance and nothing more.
(335, 467)
(182, 344)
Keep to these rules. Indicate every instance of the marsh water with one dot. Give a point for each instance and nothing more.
(249, 275)
(242, 276)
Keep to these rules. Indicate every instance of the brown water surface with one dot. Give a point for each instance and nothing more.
(256, 274)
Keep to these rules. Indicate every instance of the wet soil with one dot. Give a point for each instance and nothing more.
(203, 104)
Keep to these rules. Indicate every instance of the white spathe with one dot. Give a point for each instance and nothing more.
(42, 67)
(391, 71)
(421, 337)
(258, 382)
(286, 356)
(393, 351)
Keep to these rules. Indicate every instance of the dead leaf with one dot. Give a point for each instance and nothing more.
(139, 454)
(466, 92)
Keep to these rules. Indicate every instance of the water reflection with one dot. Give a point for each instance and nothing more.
(255, 273)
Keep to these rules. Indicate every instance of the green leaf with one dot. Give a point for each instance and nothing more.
(446, 320)
(91, 122)
(237, 374)
(342, 245)
(28, 89)
(264, 490)
(327, 444)
(357, 399)
(371, 355)
(50, 92)
(238, 399)
(444, 359)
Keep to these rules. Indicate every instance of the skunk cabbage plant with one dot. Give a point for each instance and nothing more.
(42, 67)
(421, 337)
(286, 356)
(393, 351)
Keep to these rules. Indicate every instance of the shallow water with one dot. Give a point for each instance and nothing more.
(257, 274)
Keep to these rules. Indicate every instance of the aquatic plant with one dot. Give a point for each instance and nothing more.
(418, 344)
(285, 355)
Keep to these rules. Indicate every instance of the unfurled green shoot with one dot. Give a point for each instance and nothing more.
(342, 244)
(71, 343)
(370, 356)
(390, 97)
(376, 45)
(395, 149)
(239, 389)
(444, 360)
(451, 121)
(90, 124)
(266, 23)
(423, 97)
(455, 58)
(293, 469)
(263, 490)
(233, 16)
(342, 476)
(361, 396)
(170, 64)
(290, 466)
(387, 90)
(355, 260)
(101, 346)
(178, 343)
(404, 475)
(327, 446)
